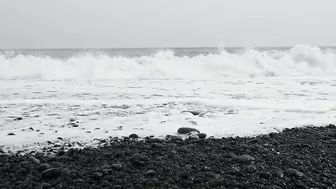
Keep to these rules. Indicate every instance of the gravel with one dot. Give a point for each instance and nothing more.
(294, 158)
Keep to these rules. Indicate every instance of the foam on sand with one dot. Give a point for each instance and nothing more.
(234, 107)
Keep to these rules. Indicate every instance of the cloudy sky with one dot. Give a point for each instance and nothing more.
(165, 23)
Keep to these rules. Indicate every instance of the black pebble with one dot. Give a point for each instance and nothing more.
(43, 166)
(186, 130)
(50, 173)
(183, 174)
(17, 118)
(133, 136)
(97, 175)
(34, 160)
(215, 183)
(201, 135)
(280, 161)
(65, 172)
(116, 166)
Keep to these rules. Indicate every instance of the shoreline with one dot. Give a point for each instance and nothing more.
(294, 158)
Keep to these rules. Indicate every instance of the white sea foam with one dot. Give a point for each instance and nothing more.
(299, 61)
(241, 94)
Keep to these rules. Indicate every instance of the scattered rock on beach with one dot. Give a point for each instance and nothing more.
(65, 172)
(97, 175)
(133, 136)
(34, 160)
(43, 167)
(116, 166)
(173, 137)
(158, 145)
(183, 174)
(215, 183)
(245, 158)
(278, 174)
(201, 135)
(231, 155)
(186, 130)
(50, 173)
(294, 172)
(167, 163)
(138, 157)
(72, 120)
(17, 118)
(193, 137)
(195, 113)
(46, 185)
(74, 125)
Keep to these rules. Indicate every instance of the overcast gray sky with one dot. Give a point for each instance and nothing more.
(165, 23)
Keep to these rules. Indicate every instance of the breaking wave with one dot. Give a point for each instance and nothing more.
(299, 61)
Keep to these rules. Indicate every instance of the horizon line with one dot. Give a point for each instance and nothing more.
(196, 47)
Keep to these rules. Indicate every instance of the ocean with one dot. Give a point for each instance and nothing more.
(85, 94)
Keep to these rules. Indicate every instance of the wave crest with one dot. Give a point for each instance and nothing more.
(299, 61)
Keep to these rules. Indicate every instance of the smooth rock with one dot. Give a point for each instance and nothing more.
(79, 180)
(183, 174)
(172, 137)
(10, 134)
(186, 130)
(158, 145)
(251, 168)
(97, 175)
(150, 172)
(195, 113)
(34, 160)
(275, 187)
(57, 164)
(245, 158)
(65, 172)
(294, 172)
(26, 164)
(74, 125)
(51, 173)
(43, 167)
(215, 183)
(138, 157)
(62, 158)
(133, 136)
(278, 174)
(17, 118)
(265, 175)
(235, 169)
(201, 135)
(116, 166)
(46, 185)
(193, 137)
(231, 155)
(61, 152)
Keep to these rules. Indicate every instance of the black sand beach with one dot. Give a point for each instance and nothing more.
(294, 158)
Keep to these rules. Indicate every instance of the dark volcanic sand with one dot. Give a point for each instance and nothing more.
(295, 158)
